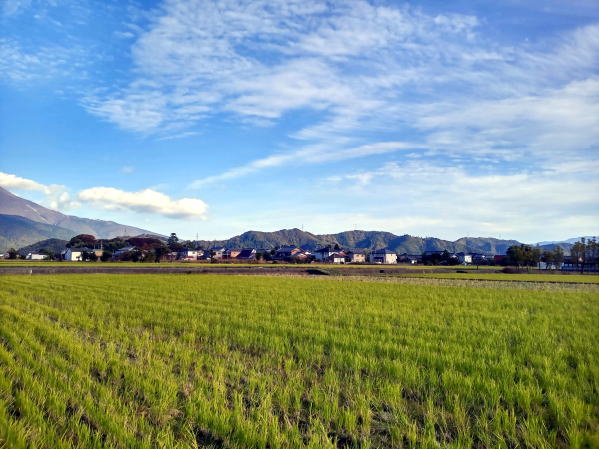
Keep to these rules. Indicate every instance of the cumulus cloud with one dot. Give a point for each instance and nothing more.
(61, 200)
(57, 196)
(144, 201)
(11, 181)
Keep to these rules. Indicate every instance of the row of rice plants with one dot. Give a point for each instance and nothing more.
(522, 277)
(140, 361)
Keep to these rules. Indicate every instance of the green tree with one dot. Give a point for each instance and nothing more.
(12, 253)
(82, 240)
(173, 243)
(160, 252)
(558, 256)
(523, 255)
(578, 253)
(585, 252)
(48, 252)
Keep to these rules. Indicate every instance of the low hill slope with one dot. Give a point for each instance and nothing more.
(17, 232)
(53, 245)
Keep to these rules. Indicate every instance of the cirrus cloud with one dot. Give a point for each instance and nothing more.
(144, 201)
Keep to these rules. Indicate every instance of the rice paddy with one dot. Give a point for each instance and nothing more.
(188, 361)
(521, 277)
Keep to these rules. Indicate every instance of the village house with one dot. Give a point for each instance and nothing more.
(338, 258)
(432, 253)
(191, 254)
(302, 256)
(383, 256)
(352, 257)
(247, 254)
(217, 252)
(323, 253)
(231, 254)
(74, 254)
(464, 258)
(411, 259)
(36, 256)
(482, 259)
(287, 252)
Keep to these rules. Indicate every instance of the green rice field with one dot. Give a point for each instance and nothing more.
(223, 361)
(523, 277)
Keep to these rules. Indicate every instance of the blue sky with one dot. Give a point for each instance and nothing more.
(434, 118)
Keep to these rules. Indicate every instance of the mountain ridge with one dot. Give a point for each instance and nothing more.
(358, 240)
(24, 223)
(14, 233)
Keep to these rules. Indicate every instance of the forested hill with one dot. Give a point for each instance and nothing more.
(361, 240)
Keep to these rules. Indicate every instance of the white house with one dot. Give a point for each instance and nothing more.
(352, 257)
(218, 252)
(336, 258)
(323, 253)
(383, 256)
(74, 254)
(191, 254)
(36, 256)
(464, 258)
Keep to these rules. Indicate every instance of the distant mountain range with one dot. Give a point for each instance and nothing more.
(569, 241)
(360, 241)
(31, 227)
(23, 222)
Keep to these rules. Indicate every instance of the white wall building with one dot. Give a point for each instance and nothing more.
(383, 256)
(464, 258)
(73, 254)
(35, 256)
(323, 253)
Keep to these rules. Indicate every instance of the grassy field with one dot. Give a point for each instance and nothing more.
(147, 361)
(523, 277)
(21, 262)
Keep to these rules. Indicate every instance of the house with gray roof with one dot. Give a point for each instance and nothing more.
(383, 256)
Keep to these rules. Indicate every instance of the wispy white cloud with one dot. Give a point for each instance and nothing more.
(519, 203)
(274, 57)
(562, 121)
(307, 155)
(363, 69)
(11, 7)
(20, 64)
(144, 201)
